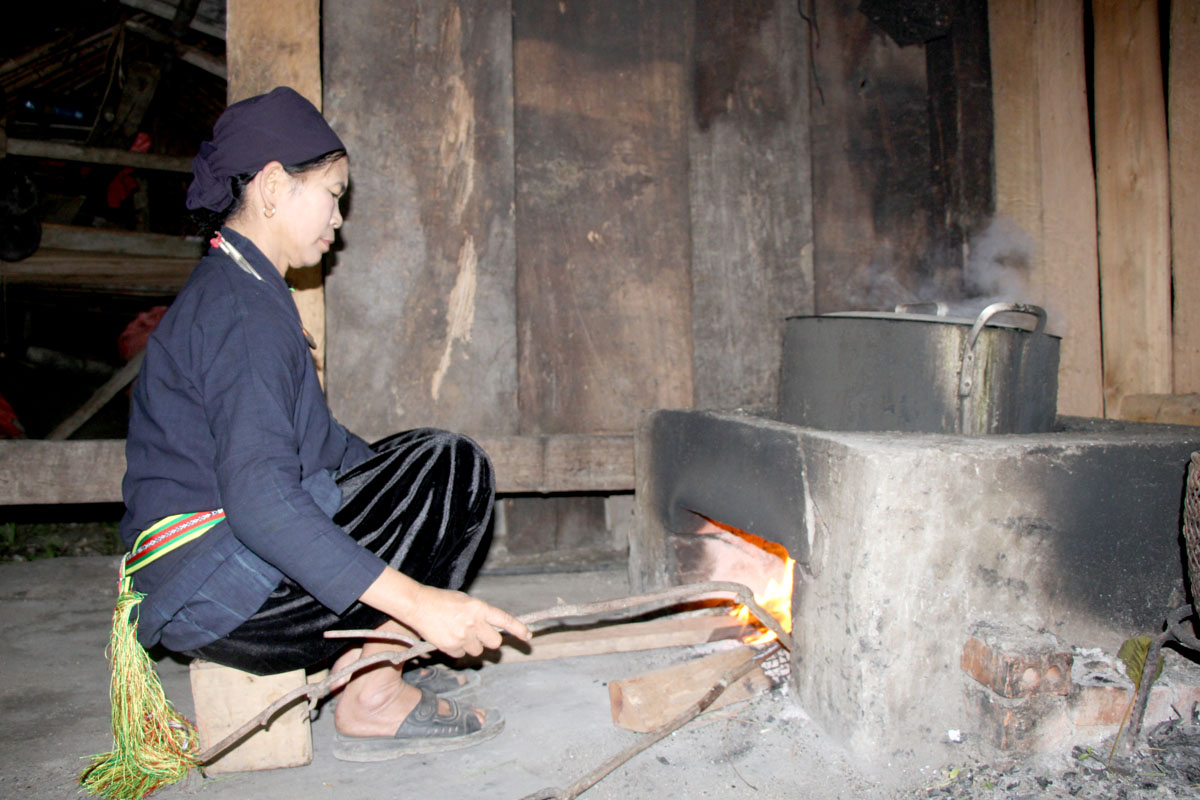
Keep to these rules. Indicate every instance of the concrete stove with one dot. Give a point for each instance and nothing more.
(906, 543)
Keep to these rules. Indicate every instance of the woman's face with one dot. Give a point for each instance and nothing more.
(310, 214)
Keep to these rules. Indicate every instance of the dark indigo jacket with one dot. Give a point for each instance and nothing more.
(228, 413)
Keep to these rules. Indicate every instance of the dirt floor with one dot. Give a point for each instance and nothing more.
(54, 617)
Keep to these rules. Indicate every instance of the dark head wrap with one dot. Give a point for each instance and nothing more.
(279, 126)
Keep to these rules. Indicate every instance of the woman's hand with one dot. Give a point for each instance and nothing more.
(455, 623)
(459, 624)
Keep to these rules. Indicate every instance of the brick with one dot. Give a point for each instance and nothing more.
(1017, 665)
(1017, 725)
(1100, 705)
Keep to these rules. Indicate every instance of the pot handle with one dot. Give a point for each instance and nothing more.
(965, 379)
(939, 308)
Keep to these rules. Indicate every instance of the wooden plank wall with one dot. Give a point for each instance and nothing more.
(271, 43)
(750, 195)
(871, 167)
(421, 299)
(550, 143)
(603, 288)
(1184, 121)
(1133, 199)
(958, 76)
(1116, 247)
(603, 293)
(1044, 178)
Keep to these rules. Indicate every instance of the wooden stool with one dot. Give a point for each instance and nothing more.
(225, 698)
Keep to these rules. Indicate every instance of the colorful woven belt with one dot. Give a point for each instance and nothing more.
(169, 533)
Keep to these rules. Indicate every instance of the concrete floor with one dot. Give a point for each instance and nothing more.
(54, 619)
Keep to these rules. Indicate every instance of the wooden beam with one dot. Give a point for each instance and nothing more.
(166, 10)
(61, 151)
(647, 702)
(45, 473)
(273, 43)
(544, 464)
(1171, 409)
(122, 378)
(1133, 200)
(69, 269)
(36, 472)
(1184, 122)
(214, 65)
(97, 240)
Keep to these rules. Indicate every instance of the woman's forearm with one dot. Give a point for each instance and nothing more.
(455, 623)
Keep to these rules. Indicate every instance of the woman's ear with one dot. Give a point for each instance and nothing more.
(273, 181)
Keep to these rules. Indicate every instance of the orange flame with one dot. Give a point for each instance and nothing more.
(776, 600)
(775, 596)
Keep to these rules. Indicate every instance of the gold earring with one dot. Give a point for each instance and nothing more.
(269, 212)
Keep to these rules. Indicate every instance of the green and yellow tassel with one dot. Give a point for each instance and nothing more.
(153, 744)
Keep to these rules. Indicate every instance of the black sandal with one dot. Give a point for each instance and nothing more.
(440, 680)
(423, 731)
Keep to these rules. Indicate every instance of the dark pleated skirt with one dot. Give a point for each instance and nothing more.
(422, 503)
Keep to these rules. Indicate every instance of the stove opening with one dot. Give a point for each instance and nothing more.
(720, 552)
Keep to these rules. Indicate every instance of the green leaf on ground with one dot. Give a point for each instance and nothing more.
(1133, 653)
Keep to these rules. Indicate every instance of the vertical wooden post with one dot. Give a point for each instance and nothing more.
(1183, 114)
(750, 180)
(271, 43)
(1133, 200)
(1044, 177)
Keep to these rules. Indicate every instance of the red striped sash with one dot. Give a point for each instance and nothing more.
(168, 534)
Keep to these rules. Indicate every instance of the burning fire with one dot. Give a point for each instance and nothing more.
(776, 600)
(768, 573)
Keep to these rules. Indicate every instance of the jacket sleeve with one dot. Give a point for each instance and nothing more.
(357, 450)
(252, 377)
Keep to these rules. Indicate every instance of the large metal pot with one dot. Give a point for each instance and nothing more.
(922, 373)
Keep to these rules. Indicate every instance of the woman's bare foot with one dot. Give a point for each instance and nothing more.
(344, 660)
(376, 701)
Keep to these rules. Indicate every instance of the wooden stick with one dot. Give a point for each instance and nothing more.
(658, 599)
(663, 598)
(1174, 632)
(629, 637)
(122, 378)
(696, 709)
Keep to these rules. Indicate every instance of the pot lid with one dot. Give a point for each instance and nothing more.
(1015, 316)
